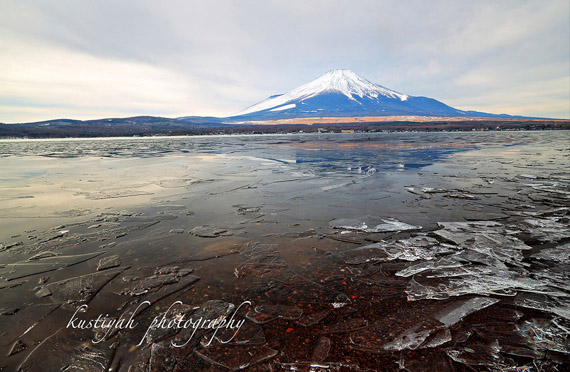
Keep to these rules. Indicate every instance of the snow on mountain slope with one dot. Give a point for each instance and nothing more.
(345, 82)
(342, 93)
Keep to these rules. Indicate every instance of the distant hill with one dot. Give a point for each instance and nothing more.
(133, 126)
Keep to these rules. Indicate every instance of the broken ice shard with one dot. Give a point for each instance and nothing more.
(372, 225)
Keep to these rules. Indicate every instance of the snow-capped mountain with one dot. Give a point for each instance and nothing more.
(343, 82)
(344, 93)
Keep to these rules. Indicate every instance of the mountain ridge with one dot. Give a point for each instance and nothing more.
(344, 93)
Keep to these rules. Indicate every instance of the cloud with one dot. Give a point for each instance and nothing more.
(93, 59)
(90, 86)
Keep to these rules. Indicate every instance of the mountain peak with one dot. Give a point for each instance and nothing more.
(351, 84)
(339, 81)
(340, 72)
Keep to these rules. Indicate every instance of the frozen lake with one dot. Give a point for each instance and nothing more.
(356, 252)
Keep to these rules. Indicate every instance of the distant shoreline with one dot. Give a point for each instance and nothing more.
(155, 126)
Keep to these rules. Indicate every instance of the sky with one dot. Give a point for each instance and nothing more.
(116, 58)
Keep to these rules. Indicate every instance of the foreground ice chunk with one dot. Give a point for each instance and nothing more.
(414, 337)
(82, 288)
(394, 225)
(483, 265)
(206, 231)
(547, 229)
(69, 350)
(372, 225)
(42, 263)
(435, 362)
(434, 332)
(487, 237)
(457, 311)
(557, 254)
(162, 277)
(387, 252)
(108, 262)
(443, 263)
(557, 305)
(437, 338)
(484, 285)
(411, 249)
(477, 355)
(401, 330)
(546, 334)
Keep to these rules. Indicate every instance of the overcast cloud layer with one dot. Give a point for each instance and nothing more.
(94, 59)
